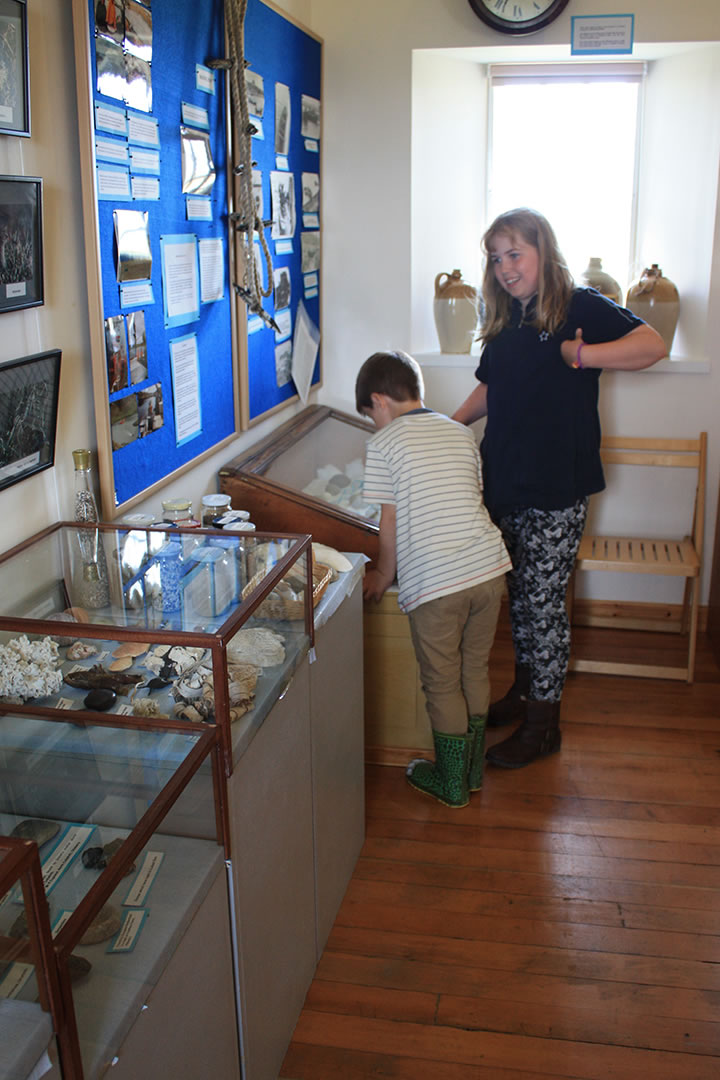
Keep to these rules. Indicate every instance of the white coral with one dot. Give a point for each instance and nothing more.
(28, 669)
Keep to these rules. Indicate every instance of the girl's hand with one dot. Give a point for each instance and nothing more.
(569, 349)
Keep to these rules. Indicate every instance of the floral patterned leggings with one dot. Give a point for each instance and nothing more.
(542, 545)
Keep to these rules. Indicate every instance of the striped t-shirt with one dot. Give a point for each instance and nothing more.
(428, 467)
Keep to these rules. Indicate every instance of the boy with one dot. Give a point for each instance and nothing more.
(450, 561)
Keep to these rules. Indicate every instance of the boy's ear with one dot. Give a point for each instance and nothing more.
(377, 400)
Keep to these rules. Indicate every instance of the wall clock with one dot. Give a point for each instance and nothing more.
(517, 16)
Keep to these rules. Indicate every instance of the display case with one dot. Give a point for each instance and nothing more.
(30, 1004)
(309, 472)
(132, 832)
(166, 624)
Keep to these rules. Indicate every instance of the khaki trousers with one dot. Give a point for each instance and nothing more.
(452, 637)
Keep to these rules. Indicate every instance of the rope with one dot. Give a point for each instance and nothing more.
(246, 220)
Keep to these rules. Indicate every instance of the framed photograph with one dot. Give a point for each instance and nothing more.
(21, 256)
(14, 71)
(28, 415)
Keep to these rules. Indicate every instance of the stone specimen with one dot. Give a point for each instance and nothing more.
(258, 646)
(97, 858)
(99, 700)
(105, 925)
(36, 829)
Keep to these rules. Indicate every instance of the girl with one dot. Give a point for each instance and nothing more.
(545, 343)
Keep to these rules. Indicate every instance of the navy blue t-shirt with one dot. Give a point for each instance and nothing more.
(541, 447)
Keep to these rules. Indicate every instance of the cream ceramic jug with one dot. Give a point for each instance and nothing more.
(455, 308)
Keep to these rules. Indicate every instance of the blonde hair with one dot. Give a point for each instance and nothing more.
(555, 282)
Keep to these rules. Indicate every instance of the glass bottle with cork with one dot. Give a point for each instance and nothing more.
(91, 580)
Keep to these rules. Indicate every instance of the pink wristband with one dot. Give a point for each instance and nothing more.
(578, 362)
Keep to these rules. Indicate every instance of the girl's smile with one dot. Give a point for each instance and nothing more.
(516, 265)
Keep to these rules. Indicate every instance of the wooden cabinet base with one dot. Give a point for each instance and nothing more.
(395, 716)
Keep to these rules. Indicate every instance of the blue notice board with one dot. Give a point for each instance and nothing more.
(283, 54)
(149, 77)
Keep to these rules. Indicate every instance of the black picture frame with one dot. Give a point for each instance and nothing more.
(21, 251)
(14, 69)
(29, 389)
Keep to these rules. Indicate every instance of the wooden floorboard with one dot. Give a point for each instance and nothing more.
(565, 924)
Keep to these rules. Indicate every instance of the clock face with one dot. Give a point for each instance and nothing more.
(517, 16)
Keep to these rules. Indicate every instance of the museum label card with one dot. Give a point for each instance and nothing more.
(16, 978)
(111, 119)
(601, 35)
(283, 247)
(282, 163)
(204, 79)
(111, 150)
(198, 208)
(143, 130)
(136, 294)
(145, 188)
(181, 293)
(186, 388)
(254, 324)
(195, 116)
(66, 849)
(126, 937)
(311, 221)
(144, 879)
(312, 146)
(144, 161)
(113, 182)
(306, 342)
(212, 270)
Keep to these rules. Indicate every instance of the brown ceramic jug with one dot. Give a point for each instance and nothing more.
(655, 299)
(598, 279)
(455, 308)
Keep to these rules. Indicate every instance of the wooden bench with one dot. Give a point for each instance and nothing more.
(676, 557)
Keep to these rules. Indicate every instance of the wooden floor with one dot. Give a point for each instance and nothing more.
(565, 924)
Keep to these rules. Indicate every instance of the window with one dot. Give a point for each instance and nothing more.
(563, 139)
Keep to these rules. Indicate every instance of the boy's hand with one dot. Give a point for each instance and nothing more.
(375, 585)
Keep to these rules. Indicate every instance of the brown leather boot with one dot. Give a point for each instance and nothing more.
(538, 736)
(511, 708)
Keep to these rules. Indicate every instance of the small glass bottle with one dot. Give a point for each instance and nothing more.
(91, 583)
(214, 506)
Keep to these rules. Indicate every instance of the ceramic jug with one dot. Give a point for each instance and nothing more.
(655, 299)
(455, 308)
(597, 278)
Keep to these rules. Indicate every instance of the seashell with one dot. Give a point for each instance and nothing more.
(328, 556)
(81, 650)
(122, 664)
(64, 617)
(79, 614)
(131, 648)
(148, 707)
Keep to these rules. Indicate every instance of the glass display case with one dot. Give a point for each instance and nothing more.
(307, 476)
(30, 1007)
(166, 624)
(132, 836)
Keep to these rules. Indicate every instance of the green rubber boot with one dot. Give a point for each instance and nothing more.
(447, 779)
(476, 728)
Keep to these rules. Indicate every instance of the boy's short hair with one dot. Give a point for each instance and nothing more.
(394, 374)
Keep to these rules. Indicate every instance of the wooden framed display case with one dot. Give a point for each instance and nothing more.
(309, 471)
(30, 1003)
(166, 624)
(132, 831)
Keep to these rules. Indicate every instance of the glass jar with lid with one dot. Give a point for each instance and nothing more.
(179, 512)
(213, 507)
